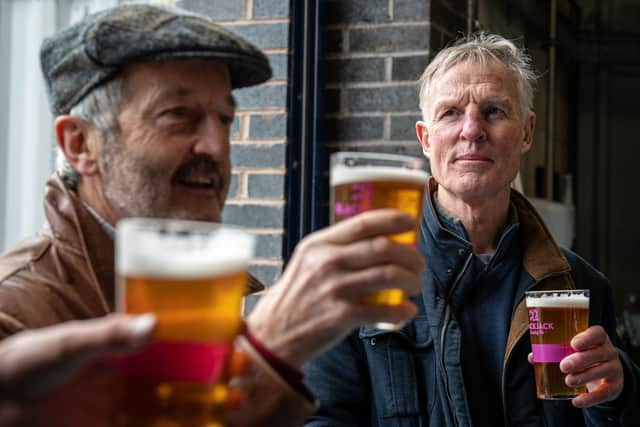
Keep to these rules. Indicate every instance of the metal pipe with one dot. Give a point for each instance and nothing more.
(470, 15)
(304, 154)
(551, 105)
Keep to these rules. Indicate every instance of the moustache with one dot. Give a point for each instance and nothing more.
(199, 167)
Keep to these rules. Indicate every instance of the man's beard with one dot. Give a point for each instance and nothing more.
(129, 183)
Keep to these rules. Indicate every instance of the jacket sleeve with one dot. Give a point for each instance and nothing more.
(268, 400)
(339, 379)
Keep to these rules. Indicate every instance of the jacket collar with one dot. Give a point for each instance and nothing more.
(441, 233)
(73, 226)
(544, 262)
(542, 256)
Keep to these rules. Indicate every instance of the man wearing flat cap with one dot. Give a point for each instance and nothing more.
(143, 105)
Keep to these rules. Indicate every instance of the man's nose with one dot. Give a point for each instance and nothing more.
(213, 138)
(473, 126)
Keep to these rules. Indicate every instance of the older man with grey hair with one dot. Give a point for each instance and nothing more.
(463, 360)
(143, 106)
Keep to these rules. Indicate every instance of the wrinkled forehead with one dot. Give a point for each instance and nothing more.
(491, 78)
(492, 74)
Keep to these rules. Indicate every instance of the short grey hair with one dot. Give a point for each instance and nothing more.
(100, 109)
(482, 48)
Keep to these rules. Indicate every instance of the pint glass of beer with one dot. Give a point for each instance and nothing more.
(192, 276)
(555, 317)
(366, 181)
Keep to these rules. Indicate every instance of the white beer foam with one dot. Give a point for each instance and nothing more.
(341, 174)
(149, 254)
(558, 300)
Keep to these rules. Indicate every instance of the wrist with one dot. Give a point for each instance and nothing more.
(288, 371)
(275, 339)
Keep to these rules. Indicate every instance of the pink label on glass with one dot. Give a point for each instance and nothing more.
(535, 326)
(178, 361)
(550, 353)
(362, 197)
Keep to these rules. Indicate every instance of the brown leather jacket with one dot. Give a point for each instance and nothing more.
(66, 272)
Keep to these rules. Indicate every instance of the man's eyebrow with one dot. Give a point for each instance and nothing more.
(166, 95)
(445, 102)
(502, 100)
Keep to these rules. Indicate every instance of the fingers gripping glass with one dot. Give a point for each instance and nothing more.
(366, 181)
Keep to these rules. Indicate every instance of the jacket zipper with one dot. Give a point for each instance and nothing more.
(443, 331)
(503, 380)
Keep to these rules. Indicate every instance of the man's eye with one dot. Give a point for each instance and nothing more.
(450, 112)
(178, 111)
(226, 120)
(495, 112)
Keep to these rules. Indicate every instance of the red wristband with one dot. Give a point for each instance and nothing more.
(290, 374)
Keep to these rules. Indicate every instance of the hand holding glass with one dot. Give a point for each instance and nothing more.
(366, 181)
(555, 317)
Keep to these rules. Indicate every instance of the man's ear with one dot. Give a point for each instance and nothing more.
(529, 126)
(423, 136)
(73, 136)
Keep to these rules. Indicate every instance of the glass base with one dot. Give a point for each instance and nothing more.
(387, 326)
(556, 396)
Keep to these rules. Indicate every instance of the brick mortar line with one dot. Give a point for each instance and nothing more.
(284, 20)
(374, 143)
(257, 202)
(259, 171)
(250, 110)
(268, 113)
(361, 115)
(262, 261)
(276, 262)
(371, 85)
(270, 50)
(254, 172)
(342, 144)
(376, 26)
(248, 9)
(272, 82)
(379, 55)
(243, 128)
(243, 187)
(265, 231)
(262, 142)
(264, 111)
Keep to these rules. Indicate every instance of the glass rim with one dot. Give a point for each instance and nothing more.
(185, 248)
(175, 225)
(550, 292)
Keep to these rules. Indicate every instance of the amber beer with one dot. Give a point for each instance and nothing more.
(555, 317)
(192, 276)
(366, 181)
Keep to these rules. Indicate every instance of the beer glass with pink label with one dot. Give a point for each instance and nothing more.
(193, 276)
(555, 317)
(366, 181)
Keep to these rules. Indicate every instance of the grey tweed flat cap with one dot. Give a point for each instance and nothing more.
(91, 52)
